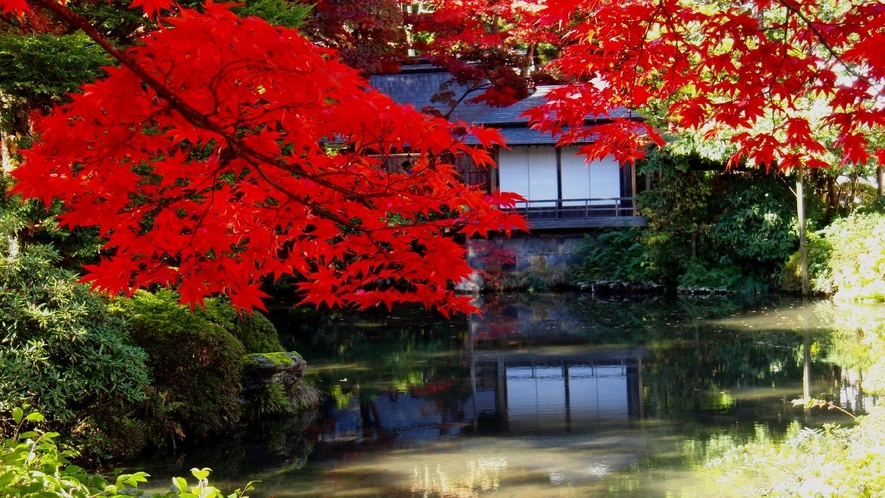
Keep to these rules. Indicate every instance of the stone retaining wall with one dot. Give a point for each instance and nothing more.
(543, 258)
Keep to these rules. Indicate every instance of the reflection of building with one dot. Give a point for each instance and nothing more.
(852, 396)
(573, 391)
(532, 370)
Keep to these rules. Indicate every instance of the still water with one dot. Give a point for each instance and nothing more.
(543, 395)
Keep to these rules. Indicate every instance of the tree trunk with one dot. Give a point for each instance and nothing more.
(15, 125)
(880, 180)
(803, 246)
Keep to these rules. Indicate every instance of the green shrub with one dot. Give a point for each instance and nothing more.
(61, 351)
(857, 260)
(255, 331)
(758, 222)
(195, 362)
(820, 279)
(614, 255)
(33, 465)
(719, 278)
(876, 205)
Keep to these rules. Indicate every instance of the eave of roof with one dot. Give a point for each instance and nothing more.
(513, 115)
(417, 84)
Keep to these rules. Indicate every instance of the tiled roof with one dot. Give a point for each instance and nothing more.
(418, 84)
(511, 115)
(515, 127)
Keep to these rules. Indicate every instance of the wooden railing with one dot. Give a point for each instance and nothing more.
(580, 213)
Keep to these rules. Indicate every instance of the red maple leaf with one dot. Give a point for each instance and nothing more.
(152, 7)
(207, 172)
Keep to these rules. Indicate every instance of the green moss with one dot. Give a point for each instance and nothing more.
(276, 359)
(255, 331)
(195, 364)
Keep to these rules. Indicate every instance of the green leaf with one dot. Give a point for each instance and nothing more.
(201, 473)
(17, 414)
(35, 417)
(180, 484)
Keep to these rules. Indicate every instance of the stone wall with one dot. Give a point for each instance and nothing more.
(524, 259)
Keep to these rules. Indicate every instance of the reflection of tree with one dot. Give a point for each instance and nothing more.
(703, 349)
(371, 354)
(858, 346)
(696, 370)
(703, 352)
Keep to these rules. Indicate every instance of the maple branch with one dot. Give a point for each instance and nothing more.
(192, 115)
(312, 205)
(72, 18)
(463, 96)
(826, 44)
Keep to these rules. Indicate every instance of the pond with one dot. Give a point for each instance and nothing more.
(556, 395)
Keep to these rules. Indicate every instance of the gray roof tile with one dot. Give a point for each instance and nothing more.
(416, 85)
(513, 114)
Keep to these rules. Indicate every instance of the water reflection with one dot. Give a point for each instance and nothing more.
(551, 396)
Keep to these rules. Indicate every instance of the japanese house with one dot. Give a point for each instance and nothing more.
(565, 196)
(562, 190)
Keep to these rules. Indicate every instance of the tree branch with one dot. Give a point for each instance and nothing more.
(191, 114)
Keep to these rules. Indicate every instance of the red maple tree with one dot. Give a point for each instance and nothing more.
(369, 35)
(786, 81)
(225, 151)
(489, 45)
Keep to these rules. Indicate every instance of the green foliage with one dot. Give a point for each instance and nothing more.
(678, 208)
(614, 255)
(830, 461)
(40, 69)
(876, 206)
(30, 223)
(857, 260)
(276, 12)
(255, 331)
(257, 334)
(195, 361)
(757, 224)
(819, 275)
(60, 350)
(32, 464)
(710, 229)
(722, 277)
(116, 19)
(271, 400)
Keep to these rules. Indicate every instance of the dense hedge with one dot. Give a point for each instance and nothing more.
(62, 352)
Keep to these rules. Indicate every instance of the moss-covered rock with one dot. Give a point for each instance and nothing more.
(262, 369)
(273, 385)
